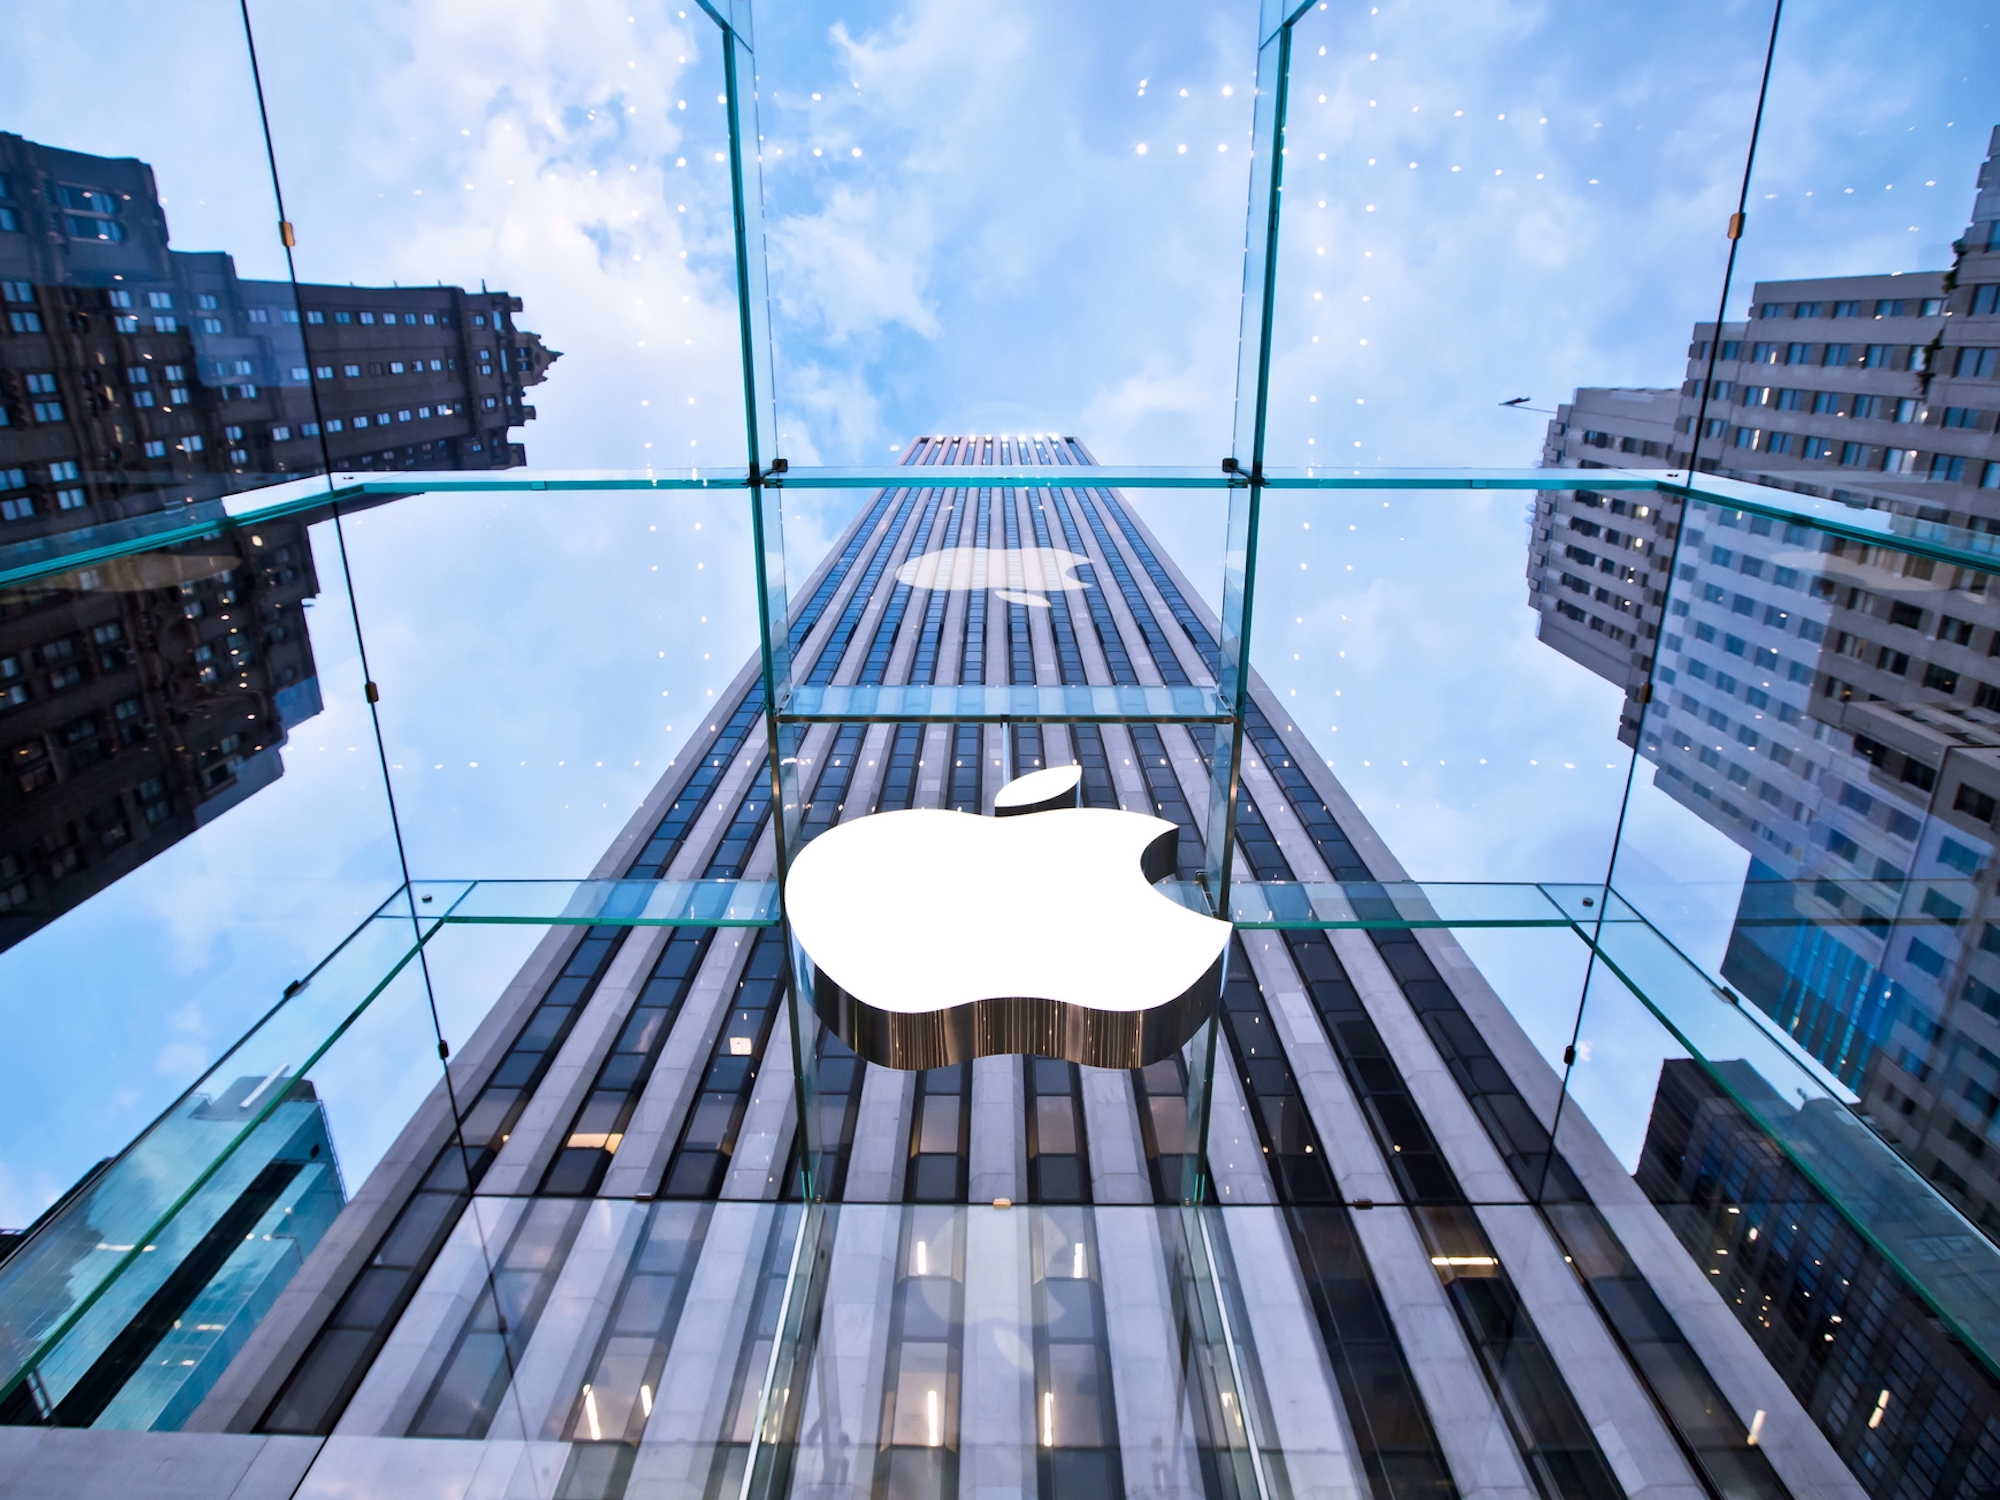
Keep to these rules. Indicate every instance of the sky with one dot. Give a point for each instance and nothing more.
(1028, 217)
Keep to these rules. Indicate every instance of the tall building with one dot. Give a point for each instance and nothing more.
(1832, 706)
(565, 1276)
(1876, 391)
(140, 700)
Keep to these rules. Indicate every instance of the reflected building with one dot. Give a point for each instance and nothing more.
(136, 378)
(1832, 704)
(141, 699)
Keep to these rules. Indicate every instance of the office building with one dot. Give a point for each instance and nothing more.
(1893, 1389)
(1830, 706)
(572, 1286)
(1877, 391)
(142, 699)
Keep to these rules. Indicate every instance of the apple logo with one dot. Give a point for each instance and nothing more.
(932, 937)
(1020, 575)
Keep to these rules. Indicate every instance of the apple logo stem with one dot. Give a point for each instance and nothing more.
(935, 937)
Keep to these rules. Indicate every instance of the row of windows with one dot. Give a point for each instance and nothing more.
(381, 367)
(410, 319)
(1944, 467)
(1903, 307)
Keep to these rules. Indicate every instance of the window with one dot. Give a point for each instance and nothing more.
(59, 472)
(281, 434)
(156, 449)
(322, 372)
(1764, 354)
(164, 324)
(422, 412)
(335, 425)
(309, 429)
(1798, 354)
(19, 508)
(315, 317)
(1791, 400)
(69, 499)
(352, 372)
(25, 322)
(479, 321)
(1826, 403)
(359, 423)
(48, 411)
(1963, 416)
(191, 443)
(1971, 800)
(1948, 468)
(343, 317)
(1984, 299)
(1866, 406)
(234, 434)
(1877, 357)
(1847, 309)
(1771, 310)
(1778, 442)
(1817, 447)
(1852, 454)
(1940, 679)
(430, 320)
(300, 373)
(437, 364)
(396, 367)
(211, 325)
(1905, 410)
(368, 318)
(117, 297)
(1977, 364)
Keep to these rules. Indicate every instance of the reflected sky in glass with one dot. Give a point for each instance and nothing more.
(1031, 220)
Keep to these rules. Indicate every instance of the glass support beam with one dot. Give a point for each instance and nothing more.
(951, 703)
(52, 557)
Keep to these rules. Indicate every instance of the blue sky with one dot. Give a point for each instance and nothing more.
(1485, 202)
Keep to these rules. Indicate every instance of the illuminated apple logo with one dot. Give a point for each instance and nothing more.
(932, 937)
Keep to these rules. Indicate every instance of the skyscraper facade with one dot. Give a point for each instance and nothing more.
(568, 1272)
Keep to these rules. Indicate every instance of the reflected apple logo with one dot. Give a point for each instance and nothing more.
(933, 937)
(1019, 575)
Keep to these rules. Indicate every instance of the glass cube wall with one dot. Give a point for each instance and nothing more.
(1594, 1096)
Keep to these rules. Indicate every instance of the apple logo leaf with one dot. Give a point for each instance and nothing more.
(933, 937)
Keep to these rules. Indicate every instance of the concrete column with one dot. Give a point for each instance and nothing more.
(881, 1152)
(1156, 1429)
(842, 1419)
(1117, 1150)
(999, 1163)
(996, 1420)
